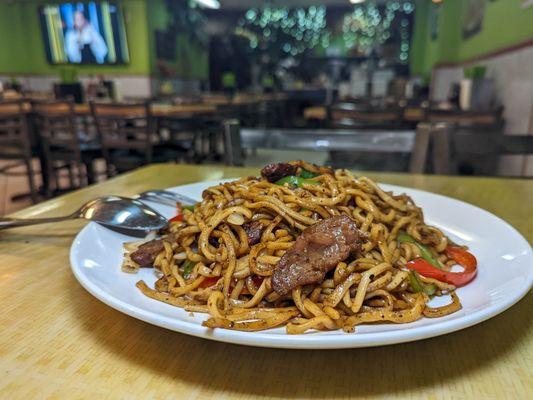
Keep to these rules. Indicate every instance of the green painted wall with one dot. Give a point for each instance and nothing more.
(22, 49)
(191, 59)
(11, 37)
(505, 24)
(421, 45)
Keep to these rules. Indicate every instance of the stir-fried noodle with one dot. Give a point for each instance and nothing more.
(219, 258)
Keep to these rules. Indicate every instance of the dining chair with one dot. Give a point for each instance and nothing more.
(65, 146)
(460, 146)
(15, 142)
(126, 132)
(128, 136)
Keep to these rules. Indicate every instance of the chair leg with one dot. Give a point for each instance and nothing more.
(441, 149)
(82, 174)
(70, 168)
(49, 188)
(31, 182)
(417, 164)
(91, 174)
(57, 177)
(109, 169)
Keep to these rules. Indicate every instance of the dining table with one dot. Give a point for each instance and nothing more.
(414, 114)
(411, 114)
(208, 106)
(57, 341)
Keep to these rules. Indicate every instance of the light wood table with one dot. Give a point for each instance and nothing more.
(158, 109)
(417, 114)
(163, 110)
(316, 112)
(57, 341)
(209, 106)
(320, 113)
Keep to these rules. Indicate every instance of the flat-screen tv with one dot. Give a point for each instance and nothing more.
(85, 32)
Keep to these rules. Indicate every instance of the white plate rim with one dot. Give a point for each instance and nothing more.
(312, 341)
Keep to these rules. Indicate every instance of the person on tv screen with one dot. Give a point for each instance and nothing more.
(83, 42)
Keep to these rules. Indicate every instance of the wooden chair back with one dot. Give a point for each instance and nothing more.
(14, 134)
(126, 127)
(476, 152)
(55, 121)
(15, 140)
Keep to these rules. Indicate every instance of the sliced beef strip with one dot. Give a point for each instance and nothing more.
(254, 230)
(147, 252)
(316, 251)
(275, 171)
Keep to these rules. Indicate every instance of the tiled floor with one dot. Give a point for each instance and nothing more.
(14, 185)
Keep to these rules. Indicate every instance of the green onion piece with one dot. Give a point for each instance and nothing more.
(296, 181)
(425, 253)
(415, 283)
(430, 290)
(307, 174)
(418, 286)
(188, 265)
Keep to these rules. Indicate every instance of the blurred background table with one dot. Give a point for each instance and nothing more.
(57, 341)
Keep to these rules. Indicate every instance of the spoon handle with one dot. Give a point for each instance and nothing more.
(6, 223)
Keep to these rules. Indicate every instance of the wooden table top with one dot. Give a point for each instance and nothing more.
(57, 341)
(162, 110)
(415, 114)
(158, 109)
(208, 106)
(321, 113)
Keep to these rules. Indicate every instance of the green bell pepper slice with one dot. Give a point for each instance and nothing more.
(425, 253)
(296, 181)
(418, 286)
(307, 174)
(188, 265)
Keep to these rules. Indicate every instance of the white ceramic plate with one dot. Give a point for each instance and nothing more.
(505, 275)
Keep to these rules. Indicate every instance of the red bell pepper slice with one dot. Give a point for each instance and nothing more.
(208, 282)
(459, 255)
(179, 214)
(177, 218)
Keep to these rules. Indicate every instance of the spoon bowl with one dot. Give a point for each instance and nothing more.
(128, 216)
(123, 213)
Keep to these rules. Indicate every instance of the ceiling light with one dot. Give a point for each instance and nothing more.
(209, 3)
(357, 1)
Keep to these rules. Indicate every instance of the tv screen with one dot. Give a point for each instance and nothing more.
(89, 32)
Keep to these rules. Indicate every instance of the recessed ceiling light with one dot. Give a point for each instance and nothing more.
(209, 3)
(357, 1)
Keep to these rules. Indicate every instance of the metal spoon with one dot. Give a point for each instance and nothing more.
(166, 197)
(114, 212)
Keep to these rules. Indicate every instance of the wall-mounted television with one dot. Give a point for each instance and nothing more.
(85, 32)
